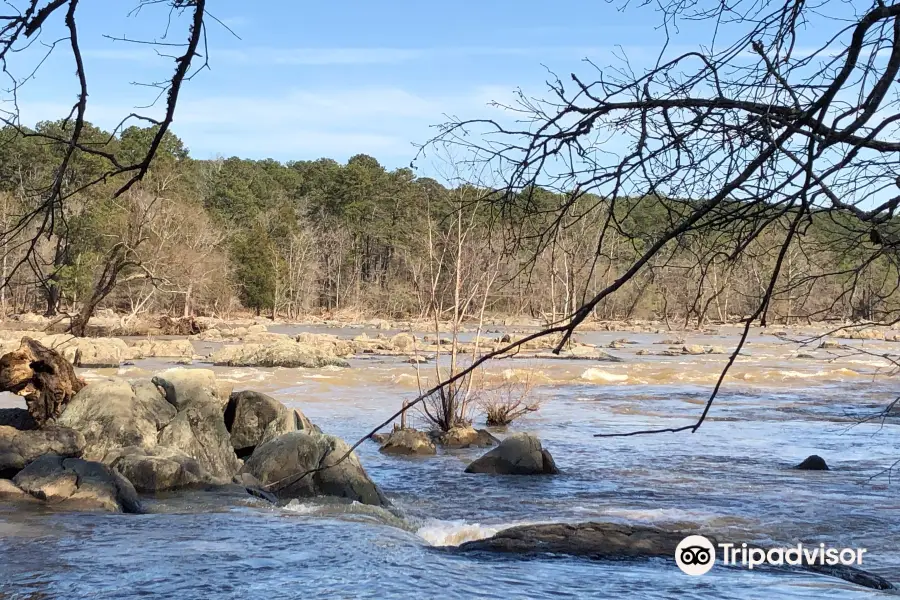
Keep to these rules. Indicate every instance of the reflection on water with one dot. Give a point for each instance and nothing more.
(732, 477)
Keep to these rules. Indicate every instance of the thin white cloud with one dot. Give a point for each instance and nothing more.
(361, 55)
(300, 124)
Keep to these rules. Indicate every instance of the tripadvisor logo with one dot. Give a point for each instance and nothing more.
(696, 555)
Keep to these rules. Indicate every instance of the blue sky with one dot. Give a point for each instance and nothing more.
(313, 79)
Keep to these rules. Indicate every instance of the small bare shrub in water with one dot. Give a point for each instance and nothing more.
(507, 401)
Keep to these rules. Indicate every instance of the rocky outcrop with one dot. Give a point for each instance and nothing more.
(42, 375)
(78, 484)
(158, 469)
(254, 418)
(813, 463)
(279, 354)
(408, 442)
(597, 540)
(160, 349)
(519, 454)
(112, 414)
(99, 353)
(18, 448)
(464, 437)
(279, 464)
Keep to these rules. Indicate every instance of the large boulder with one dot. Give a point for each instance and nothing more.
(254, 418)
(158, 469)
(279, 354)
(18, 448)
(280, 462)
(112, 413)
(199, 431)
(519, 454)
(78, 484)
(408, 442)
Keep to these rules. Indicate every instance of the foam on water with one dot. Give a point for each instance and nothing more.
(596, 374)
(454, 533)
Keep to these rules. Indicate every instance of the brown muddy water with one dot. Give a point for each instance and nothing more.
(733, 477)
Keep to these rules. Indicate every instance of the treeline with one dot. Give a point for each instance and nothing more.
(214, 237)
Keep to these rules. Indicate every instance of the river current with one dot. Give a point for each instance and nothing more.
(732, 477)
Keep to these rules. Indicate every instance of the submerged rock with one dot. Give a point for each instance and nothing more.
(813, 463)
(519, 454)
(600, 540)
(408, 442)
(279, 463)
(78, 484)
(18, 448)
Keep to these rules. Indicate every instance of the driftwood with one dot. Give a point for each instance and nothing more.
(43, 376)
(179, 326)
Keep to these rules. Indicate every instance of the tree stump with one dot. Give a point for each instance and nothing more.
(43, 376)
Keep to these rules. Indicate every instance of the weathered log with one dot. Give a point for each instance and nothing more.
(43, 376)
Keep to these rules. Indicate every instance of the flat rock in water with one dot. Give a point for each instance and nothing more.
(602, 540)
(78, 484)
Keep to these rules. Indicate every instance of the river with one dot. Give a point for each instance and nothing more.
(733, 477)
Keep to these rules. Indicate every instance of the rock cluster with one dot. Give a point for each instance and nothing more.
(117, 437)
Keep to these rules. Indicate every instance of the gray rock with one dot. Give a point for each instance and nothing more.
(188, 387)
(279, 462)
(158, 469)
(254, 418)
(200, 432)
(519, 454)
(74, 483)
(18, 418)
(111, 414)
(408, 442)
(693, 349)
(18, 448)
